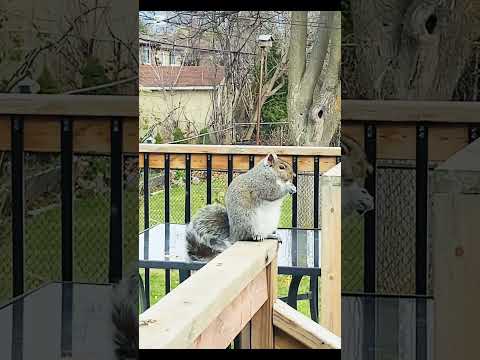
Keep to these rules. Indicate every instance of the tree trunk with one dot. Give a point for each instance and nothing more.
(303, 77)
(412, 49)
(325, 113)
(305, 111)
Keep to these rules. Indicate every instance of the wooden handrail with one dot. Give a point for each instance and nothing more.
(69, 105)
(241, 161)
(302, 328)
(411, 111)
(239, 149)
(212, 306)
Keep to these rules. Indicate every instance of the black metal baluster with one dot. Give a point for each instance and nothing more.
(294, 196)
(146, 190)
(421, 226)
(167, 217)
(167, 188)
(251, 161)
(316, 191)
(67, 199)
(473, 133)
(116, 199)
(188, 175)
(18, 202)
(369, 217)
(17, 329)
(421, 209)
(209, 178)
(369, 254)
(230, 168)
(146, 220)
(67, 321)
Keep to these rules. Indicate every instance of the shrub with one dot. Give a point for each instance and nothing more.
(205, 137)
(178, 135)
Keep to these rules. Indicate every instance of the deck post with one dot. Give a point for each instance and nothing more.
(330, 316)
(262, 322)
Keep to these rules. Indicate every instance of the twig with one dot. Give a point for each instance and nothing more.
(22, 69)
(102, 86)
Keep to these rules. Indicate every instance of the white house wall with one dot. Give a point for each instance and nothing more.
(191, 108)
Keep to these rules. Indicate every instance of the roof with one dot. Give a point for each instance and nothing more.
(180, 76)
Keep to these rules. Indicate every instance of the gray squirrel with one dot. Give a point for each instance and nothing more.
(252, 210)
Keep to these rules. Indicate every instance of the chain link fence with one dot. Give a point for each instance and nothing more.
(91, 221)
(156, 179)
(42, 243)
(352, 253)
(5, 228)
(395, 210)
(198, 191)
(395, 207)
(43, 223)
(305, 202)
(130, 213)
(198, 196)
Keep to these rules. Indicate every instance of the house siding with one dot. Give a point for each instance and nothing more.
(192, 109)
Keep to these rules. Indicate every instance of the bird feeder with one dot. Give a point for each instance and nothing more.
(265, 41)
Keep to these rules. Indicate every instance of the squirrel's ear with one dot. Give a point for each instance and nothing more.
(270, 159)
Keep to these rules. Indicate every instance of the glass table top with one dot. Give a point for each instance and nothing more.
(58, 321)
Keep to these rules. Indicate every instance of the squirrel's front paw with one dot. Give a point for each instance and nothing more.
(258, 238)
(291, 188)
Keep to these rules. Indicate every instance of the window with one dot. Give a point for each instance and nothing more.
(165, 58)
(145, 55)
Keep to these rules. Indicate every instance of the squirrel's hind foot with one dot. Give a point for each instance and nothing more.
(258, 238)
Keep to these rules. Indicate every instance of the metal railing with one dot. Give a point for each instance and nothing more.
(229, 159)
(61, 131)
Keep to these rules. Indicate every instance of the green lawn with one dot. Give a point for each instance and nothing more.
(90, 245)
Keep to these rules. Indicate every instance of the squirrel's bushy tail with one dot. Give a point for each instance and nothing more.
(207, 234)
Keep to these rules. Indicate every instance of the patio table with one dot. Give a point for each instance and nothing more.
(59, 320)
(381, 326)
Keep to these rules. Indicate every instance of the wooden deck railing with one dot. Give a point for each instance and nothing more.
(242, 157)
(43, 116)
(397, 127)
(66, 126)
(234, 293)
(419, 134)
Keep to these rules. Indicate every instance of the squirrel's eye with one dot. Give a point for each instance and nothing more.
(282, 167)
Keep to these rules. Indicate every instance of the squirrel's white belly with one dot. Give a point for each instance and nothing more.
(267, 217)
